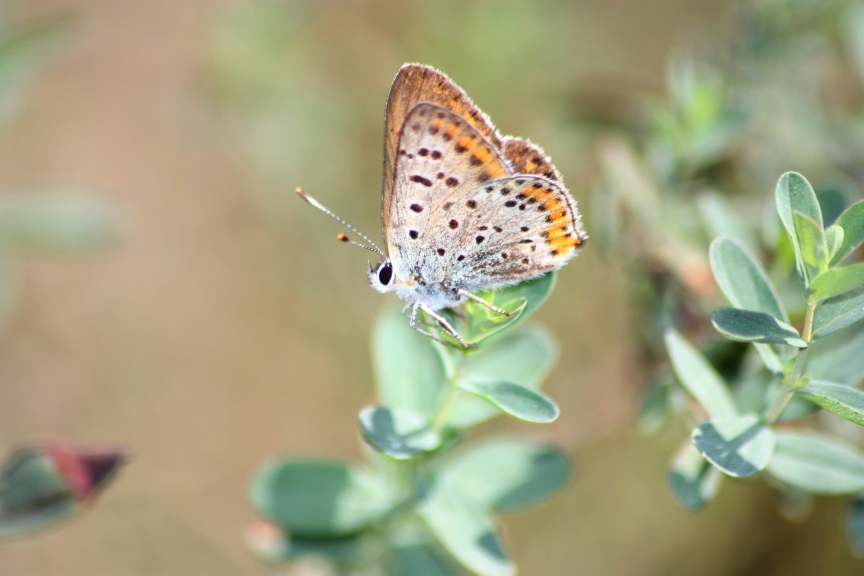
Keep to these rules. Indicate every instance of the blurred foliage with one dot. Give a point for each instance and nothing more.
(47, 483)
(785, 90)
(420, 506)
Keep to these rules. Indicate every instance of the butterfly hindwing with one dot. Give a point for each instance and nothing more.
(527, 158)
(504, 231)
(441, 158)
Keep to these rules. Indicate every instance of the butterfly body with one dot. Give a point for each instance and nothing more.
(464, 208)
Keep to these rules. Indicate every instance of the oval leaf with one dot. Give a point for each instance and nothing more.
(517, 401)
(409, 373)
(811, 239)
(397, 433)
(839, 360)
(522, 357)
(742, 279)
(748, 326)
(740, 446)
(794, 194)
(816, 463)
(852, 223)
(838, 312)
(507, 474)
(836, 281)
(699, 378)
(841, 400)
(319, 498)
(693, 481)
(423, 559)
(469, 535)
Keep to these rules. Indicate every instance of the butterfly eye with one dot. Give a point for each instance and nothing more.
(385, 274)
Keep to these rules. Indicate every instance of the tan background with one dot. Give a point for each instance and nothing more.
(228, 326)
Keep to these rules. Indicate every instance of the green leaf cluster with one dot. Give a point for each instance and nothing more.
(421, 505)
(737, 433)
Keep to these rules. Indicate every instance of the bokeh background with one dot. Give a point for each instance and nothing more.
(226, 325)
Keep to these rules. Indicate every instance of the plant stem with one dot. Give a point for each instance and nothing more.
(775, 410)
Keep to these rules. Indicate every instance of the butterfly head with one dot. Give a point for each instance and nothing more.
(381, 276)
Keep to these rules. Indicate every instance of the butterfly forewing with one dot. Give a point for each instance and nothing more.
(416, 83)
(441, 158)
(504, 231)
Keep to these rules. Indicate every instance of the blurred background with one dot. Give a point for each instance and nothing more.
(224, 324)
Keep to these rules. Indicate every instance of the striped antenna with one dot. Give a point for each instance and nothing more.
(342, 237)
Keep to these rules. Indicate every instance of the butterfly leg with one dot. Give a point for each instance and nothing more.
(443, 322)
(413, 321)
(479, 300)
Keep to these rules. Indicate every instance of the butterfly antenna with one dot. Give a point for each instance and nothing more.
(342, 237)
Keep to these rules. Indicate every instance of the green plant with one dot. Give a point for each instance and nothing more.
(744, 428)
(422, 504)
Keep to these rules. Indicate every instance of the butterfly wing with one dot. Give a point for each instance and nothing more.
(440, 159)
(507, 230)
(527, 158)
(413, 84)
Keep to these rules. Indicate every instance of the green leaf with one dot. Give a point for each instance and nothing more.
(422, 559)
(397, 433)
(469, 535)
(794, 194)
(838, 312)
(838, 399)
(409, 373)
(834, 242)
(699, 378)
(693, 481)
(816, 463)
(523, 357)
(271, 544)
(740, 447)
(839, 359)
(855, 525)
(748, 326)
(852, 224)
(811, 240)
(835, 282)
(483, 322)
(34, 495)
(320, 498)
(506, 474)
(55, 225)
(742, 279)
(517, 401)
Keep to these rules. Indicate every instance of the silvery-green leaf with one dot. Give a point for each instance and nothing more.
(693, 481)
(838, 399)
(699, 378)
(817, 463)
(852, 223)
(469, 535)
(320, 498)
(835, 282)
(739, 447)
(397, 433)
(749, 326)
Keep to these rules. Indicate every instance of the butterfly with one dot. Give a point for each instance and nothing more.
(464, 208)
